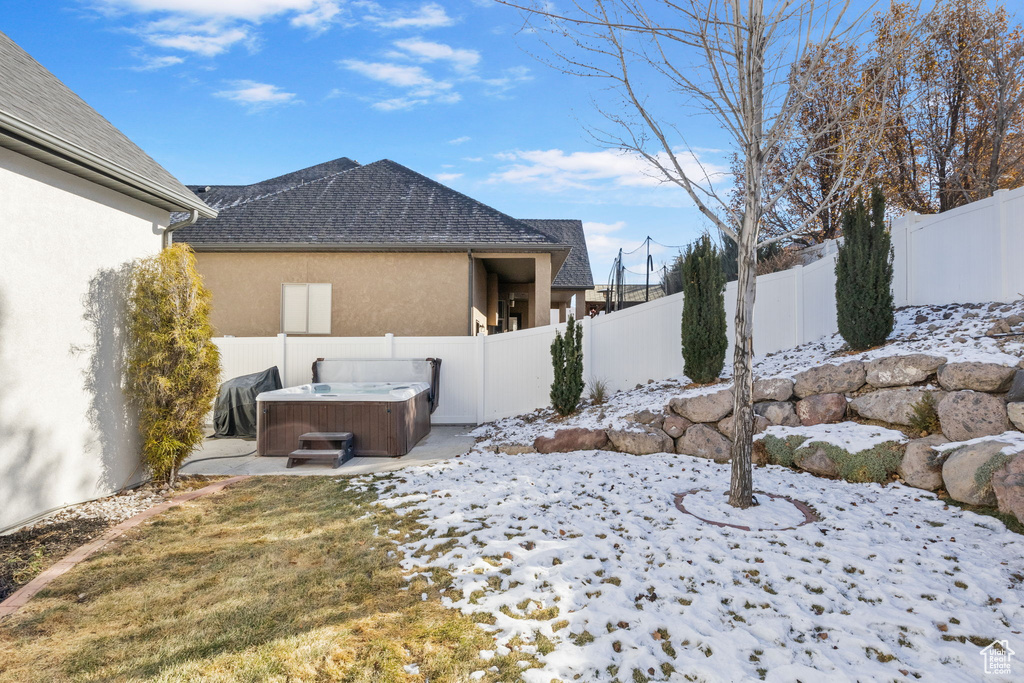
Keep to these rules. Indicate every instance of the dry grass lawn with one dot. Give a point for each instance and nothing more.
(275, 579)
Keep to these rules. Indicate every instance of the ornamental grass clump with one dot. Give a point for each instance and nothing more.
(567, 361)
(704, 336)
(173, 366)
(864, 307)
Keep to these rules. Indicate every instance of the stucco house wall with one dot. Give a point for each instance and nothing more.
(406, 294)
(65, 435)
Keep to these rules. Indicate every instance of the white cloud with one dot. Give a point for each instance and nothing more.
(425, 51)
(556, 170)
(419, 87)
(317, 19)
(151, 62)
(249, 10)
(430, 15)
(256, 95)
(207, 39)
(460, 140)
(603, 242)
(211, 27)
(447, 177)
(509, 79)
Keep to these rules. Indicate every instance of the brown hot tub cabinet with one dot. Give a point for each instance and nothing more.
(386, 418)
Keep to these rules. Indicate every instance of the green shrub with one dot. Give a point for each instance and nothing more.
(875, 464)
(172, 366)
(703, 326)
(567, 360)
(864, 307)
(782, 451)
(925, 416)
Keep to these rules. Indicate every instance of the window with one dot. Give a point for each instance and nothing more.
(306, 308)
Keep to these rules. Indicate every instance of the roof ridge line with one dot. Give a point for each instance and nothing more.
(529, 228)
(286, 189)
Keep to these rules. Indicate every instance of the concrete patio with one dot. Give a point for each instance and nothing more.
(233, 457)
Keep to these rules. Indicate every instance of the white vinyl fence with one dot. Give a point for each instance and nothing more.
(970, 254)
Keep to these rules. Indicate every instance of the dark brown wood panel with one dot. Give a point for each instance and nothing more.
(378, 428)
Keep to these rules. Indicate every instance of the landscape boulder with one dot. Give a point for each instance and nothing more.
(919, 467)
(704, 441)
(895, 406)
(774, 389)
(568, 440)
(778, 413)
(1015, 411)
(816, 461)
(513, 449)
(761, 423)
(821, 409)
(710, 407)
(830, 379)
(675, 426)
(991, 377)
(1008, 485)
(648, 417)
(967, 415)
(1016, 392)
(645, 442)
(900, 371)
(967, 472)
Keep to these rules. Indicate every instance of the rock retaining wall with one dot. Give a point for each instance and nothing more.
(974, 401)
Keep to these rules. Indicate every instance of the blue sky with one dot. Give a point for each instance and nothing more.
(235, 91)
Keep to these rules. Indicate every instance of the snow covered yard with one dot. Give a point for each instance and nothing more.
(582, 563)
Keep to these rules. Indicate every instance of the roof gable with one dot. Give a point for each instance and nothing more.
(41, 117)
(383, 203)
(576, 272)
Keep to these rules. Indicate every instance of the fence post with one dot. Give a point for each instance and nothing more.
(389, 345)
(1006, 256)
(798, 317)
(282, 356)
(588, 360)
(481, 380)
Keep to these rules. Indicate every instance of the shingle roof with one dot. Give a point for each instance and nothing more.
(227, 196)
(379, 203)
(43, 118)
(575, 273)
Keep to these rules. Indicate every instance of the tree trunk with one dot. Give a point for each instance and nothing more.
(741, 488)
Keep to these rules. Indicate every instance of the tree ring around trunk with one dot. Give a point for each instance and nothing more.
(800, 508)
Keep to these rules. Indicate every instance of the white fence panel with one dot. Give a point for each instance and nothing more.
(517, 371)
(819, 299)
(459, 387)
(303, 351)
(639, 343)
(246, 355)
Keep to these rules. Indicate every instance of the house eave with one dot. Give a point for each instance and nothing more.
(25, 138)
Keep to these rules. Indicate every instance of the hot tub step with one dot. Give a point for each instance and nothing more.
(339, 455)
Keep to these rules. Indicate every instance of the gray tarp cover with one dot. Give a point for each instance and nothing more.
(235, 411)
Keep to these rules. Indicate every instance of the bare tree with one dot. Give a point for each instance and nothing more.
(752, 70)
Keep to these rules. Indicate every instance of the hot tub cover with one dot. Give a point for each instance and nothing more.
(234, 414)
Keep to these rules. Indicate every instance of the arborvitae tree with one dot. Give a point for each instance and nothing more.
(567, 360)
(173, 366)
(864, 276)
(704, 331)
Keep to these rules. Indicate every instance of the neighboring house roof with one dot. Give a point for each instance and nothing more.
(379, 205)
(575, 272)
(42, 118)
(228, 196)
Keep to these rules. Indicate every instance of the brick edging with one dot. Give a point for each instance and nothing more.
(20, 597)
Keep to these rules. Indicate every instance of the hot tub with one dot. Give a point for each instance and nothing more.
(386, 418)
